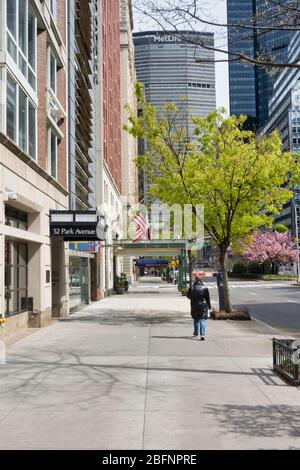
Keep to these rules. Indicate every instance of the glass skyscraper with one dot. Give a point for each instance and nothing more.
(251, 87)
(242, 83)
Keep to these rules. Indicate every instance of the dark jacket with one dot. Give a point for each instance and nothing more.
(200, 301)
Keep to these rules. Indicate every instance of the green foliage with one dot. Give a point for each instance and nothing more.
(239, 268)
(280, 277)
(281, 228)
(254, 268)
(241, 180)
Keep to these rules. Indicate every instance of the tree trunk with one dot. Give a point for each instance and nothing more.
(191, 264)
(223, 263)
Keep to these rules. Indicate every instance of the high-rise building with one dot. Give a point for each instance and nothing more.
(251, 87)
(284, 116)
(33, 160)
(242, 84)
(170, 68)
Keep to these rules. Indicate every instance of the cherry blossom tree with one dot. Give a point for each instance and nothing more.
(271, 248)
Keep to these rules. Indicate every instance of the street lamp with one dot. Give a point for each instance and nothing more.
(297, 197)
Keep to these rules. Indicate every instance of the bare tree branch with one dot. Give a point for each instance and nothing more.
(193, 15)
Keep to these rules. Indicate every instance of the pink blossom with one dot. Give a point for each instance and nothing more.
(271, 247)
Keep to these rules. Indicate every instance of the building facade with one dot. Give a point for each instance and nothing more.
(284, 116)
(33, 160)
(109, 163)
(170, 68)
(250, 87)
(83, 80)
(129, 147)
(242, 83)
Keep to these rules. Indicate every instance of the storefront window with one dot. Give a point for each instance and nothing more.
(16, 277)
(78, 281)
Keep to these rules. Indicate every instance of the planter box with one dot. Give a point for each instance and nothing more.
(120, 290)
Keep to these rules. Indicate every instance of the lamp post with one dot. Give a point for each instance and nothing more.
(297, 237)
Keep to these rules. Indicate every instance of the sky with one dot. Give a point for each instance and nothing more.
(215, 10)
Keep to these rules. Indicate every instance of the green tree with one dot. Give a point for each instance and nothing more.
(281, 228)
(240, 179)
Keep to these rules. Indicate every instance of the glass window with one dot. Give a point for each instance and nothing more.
(21, 37)
(53, 7)
(31, 78)
(16, 277)
(11, 106)
(11, 48)
(52, 72)
(24, 134)
(11, 15)
(31, 37)
(22, 26)
(53, 154)
(31, 131)
(15, 218)
(22, 120)
(22, 65)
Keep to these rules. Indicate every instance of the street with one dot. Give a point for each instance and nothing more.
(276, 303)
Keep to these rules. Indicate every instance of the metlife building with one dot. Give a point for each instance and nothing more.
(175, 66)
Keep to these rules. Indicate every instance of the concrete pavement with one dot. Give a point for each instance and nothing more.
(125, 373)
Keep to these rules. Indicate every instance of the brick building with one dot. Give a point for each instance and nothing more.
(109, 124)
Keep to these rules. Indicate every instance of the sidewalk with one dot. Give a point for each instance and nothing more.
(124, 373)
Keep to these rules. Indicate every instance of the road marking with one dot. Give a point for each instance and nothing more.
(253, 293)
(293, 301)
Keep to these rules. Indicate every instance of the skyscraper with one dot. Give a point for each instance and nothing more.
(242, 85)
(170, 68)
(250, 86)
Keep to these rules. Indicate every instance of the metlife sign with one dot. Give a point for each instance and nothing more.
(165, 38)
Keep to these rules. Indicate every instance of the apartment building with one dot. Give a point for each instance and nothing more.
(33, 160)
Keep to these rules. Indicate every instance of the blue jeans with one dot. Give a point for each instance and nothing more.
(200, 324)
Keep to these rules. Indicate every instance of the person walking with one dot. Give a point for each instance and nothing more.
(200, 304)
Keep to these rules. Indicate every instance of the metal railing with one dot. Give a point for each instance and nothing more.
(284, 360)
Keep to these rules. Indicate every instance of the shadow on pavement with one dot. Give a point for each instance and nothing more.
(143, 317)
(258, 420)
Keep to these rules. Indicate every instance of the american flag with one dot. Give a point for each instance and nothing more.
(142, 230)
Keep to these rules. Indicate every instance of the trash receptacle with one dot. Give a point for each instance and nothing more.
(220, 285)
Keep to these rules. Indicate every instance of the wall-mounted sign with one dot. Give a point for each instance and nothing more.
(166, 38)
(76, 225)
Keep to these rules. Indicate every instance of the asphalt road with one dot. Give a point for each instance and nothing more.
(277, 303)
